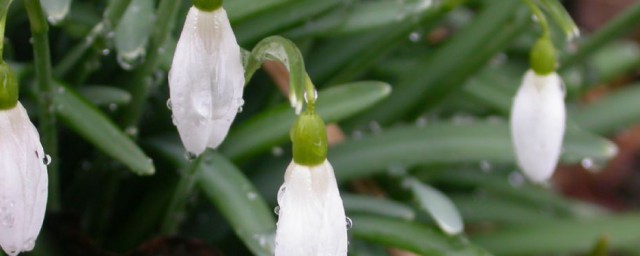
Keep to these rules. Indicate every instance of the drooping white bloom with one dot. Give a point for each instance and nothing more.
(206, 80)
(23, 181)
(311, 218)
(537, 124)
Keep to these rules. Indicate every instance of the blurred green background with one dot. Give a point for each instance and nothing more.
(408, 159)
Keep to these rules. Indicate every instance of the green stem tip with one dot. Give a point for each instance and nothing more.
(543, 56)
(8, 87)
(309, 139)
(207, 5)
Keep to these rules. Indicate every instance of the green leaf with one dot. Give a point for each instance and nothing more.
(562, 236)
(611, 113)
(411, 236)
(376, 14)
(378, 206)
(615, 60)
(93, 126)
(437, 205)
(240, 10)
(343, 58)
(100, 95)
(133, 32)
(239, 202)
(449, 143)
(56, 10)
(271, 127)
(615, 28)
(281, 18)
(444, 72)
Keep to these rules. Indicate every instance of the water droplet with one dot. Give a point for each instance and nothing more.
(277, 151)
(106, 52)
(315, 96)
(240, 109)
(190, 156)
(414, 37)
(485, 166)
(46, 160)
(516, 179)
(252, 196)
(590, 165)
(169, 104)
(113, 107)
(60, 90)
(29, 244)
(375, 127)
(421, 122)
(276, 210)
(7, 220)
(349, 223)
(397, 170)
(131, 131)
(357, 134)
(30, 40)
(281, 192)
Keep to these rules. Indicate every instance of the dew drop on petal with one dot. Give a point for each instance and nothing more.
(190, 156)
(349, 223)
(169, 104)
(46, 160)
(276, 210)
(281, 192)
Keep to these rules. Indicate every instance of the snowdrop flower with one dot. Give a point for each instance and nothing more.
(206, 78)
(538, 115)
(23, 172)
(311, 218)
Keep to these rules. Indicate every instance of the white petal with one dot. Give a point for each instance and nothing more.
(311, 219)
(23, 181)
(206, 79)
(537, 124)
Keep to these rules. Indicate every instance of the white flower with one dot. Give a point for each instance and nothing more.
(311, 218)
(537, 124)
(23, 181)
(206, 80)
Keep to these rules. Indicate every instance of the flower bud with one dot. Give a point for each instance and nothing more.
(206, 80)
(23, 181)
(537, 124)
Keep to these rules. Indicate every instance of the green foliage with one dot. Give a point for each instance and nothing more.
(420, 89)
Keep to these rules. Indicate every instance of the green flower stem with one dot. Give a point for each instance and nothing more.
(46, 110)
(622, 24)
(139, 84)
(175, 211)
(542, 20)
(311, 93)
(4, 7)
(114, 12)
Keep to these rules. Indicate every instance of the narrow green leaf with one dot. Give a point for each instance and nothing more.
(92, 125)
(343, 58)
(240, 10)
(411, 236)
(281, 18)
(56, 10)
(611, 113)
(563, 236)
(622, 24)
(133, 33)
(376, 14)
(615, 60)
(239, 202)
(445, 71)
(379, 206)
(495, 210)
(271, 127)
(436, 204)
(449, 143)
(101, 95)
